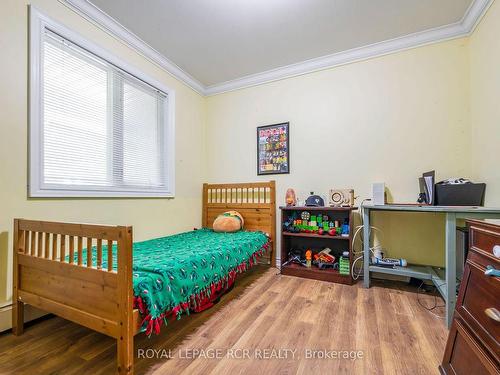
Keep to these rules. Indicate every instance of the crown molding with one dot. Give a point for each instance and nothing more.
(452, 31)
(111, 26)
(474, 14)
(460, 29)
(341, 58)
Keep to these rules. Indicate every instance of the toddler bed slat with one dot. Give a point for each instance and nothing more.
(99, 253)
(80, 250)
(71, 249)
(89, 252)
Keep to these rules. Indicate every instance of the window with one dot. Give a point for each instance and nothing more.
(98, 127)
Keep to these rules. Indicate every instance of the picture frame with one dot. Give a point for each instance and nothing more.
(273, 149)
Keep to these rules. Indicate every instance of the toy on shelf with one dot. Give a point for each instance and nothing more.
(294, 256)
(324, 258)
(315, 200)
(290, 198)
(344, 266)
(308, 258)
(305, 222)
(289, 225)
(341, 198)
(345, 228)
(322, 265)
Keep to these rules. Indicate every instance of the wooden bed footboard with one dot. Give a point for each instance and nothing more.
(51, 274)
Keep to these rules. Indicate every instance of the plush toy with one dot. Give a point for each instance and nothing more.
(230, 221)
(290, 198)
(308, 258)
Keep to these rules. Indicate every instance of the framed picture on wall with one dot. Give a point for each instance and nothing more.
(273, 149)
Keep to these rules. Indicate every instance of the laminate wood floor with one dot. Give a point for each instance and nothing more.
(268, 324)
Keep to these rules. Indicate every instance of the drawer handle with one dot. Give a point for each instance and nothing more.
(493, 314)
(492, 271)
(496, 251)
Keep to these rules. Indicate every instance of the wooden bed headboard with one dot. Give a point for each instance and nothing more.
(255, 201)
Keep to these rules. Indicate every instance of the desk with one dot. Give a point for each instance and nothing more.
(445, 281)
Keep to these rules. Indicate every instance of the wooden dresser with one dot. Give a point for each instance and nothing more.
(473, 343)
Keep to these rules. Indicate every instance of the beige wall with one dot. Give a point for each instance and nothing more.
(150, 217)
(385, 119)
(485, 103)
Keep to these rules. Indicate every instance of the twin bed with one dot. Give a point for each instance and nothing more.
(94, 275)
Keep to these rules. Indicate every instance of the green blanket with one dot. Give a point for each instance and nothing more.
(173, 274)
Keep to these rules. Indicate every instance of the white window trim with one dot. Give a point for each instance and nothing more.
(39, 22)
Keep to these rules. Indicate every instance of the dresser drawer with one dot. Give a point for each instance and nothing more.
(464, 355)
(480, 293)
(485, 241)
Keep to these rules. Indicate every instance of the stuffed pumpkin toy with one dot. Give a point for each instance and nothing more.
(230, 221)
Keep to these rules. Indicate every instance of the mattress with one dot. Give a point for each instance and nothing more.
(175, 274)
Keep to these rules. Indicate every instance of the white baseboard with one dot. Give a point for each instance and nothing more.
(30, 313)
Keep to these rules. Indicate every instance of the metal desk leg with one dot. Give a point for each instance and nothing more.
(451, 263)
(366, 248)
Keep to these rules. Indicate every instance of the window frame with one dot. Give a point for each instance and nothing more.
(39, 23)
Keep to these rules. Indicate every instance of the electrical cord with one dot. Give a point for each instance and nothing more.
(430, 309)
(359, 255)
(355, 274)
(362, 209)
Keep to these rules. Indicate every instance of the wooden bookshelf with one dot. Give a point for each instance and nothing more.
(317, 242)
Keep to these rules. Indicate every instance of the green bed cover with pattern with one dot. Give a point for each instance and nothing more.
(172, 274)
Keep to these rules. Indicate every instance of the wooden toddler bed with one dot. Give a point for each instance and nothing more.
(53, 272)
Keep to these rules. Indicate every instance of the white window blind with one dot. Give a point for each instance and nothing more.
(102, 131)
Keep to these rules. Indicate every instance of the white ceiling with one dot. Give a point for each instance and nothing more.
(216, 41)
